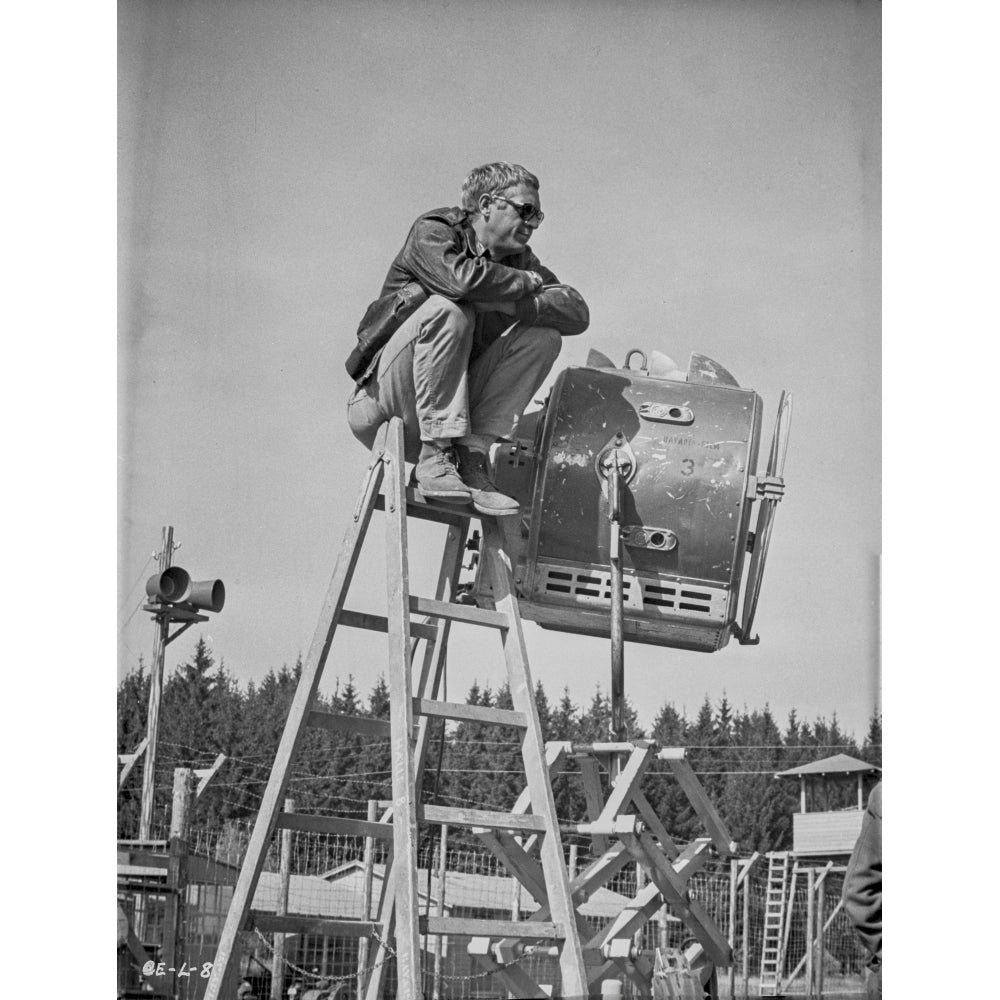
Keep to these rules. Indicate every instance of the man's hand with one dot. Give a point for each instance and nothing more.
(537, 281)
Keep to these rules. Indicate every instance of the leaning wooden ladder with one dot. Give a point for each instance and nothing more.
(399, 921)
(772, 955)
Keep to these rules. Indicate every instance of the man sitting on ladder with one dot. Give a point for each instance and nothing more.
(467, 326)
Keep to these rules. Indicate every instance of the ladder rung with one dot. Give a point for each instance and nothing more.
(458, 612)
(471, 713)
(454, 816)
(472, 927)
(295, 923)
(333, 824)
(424, 510)
(379, 623)
(348, 723)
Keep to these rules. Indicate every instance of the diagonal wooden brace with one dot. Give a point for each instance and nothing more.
(674, 892)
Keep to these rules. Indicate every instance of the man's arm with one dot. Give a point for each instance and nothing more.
(554, 304)
(863, 879)
(435, 258)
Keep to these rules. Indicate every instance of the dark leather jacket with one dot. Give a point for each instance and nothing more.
(441, 257)
(863, 879)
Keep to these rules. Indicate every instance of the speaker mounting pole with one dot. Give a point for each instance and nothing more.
(174, 598)
(155, 696)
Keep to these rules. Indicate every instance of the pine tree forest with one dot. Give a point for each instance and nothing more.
(734, 751)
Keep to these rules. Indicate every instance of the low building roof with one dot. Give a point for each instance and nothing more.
(839, 763)
(467, 891)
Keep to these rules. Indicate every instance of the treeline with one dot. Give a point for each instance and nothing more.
(204, 712)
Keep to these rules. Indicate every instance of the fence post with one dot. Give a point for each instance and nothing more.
(821, 934)
(640, 882)
(278, 959)
(177, 851)
(746, 935)
(733, 872)
(810, 917)
(572, 861)
(441, 938)
(369, 870)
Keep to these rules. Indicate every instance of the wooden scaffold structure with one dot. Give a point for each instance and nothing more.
(528, 839)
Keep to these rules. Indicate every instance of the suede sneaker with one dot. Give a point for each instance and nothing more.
(437, 478)
(486, 497)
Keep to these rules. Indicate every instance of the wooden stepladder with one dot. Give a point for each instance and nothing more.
(412, 704)
(772, 956)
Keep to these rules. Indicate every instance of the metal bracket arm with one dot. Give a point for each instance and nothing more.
(765, 487)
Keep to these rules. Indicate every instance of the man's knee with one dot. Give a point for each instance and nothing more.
(453, 315)
(547, 340)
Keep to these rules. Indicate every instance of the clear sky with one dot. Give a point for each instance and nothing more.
(710, 175)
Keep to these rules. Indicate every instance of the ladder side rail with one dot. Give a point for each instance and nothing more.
(433, 667)
(787, 923)
(224, 967)
(404, 792)
(571, 963)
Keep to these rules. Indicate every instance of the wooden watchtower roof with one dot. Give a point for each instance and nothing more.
(834, 831)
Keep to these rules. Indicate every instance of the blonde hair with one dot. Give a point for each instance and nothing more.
(494, 178)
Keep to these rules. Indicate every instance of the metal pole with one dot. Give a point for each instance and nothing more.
(285, 869)
(746, 935)
(733, 872)
(369, 872)
(821, 934)
(810, 916)
(441, 938)
(155, 696)
(615, 489)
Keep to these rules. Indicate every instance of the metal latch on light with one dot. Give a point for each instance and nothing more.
(667, 413)
(641, 536)
(765, 487)
(616, 454)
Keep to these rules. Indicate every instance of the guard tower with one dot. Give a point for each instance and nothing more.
(824, 832)
(822, 841)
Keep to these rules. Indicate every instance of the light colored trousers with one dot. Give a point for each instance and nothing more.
(424, 376)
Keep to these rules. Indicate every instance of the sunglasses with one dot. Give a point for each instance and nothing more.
(528, 213)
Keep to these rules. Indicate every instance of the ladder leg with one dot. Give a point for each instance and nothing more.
(571, 965)
(431, 673)
(404, 792)
(224, 969)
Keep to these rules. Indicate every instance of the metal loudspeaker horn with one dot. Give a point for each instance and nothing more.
(208, 595)
(170, 586)
(174, 586)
